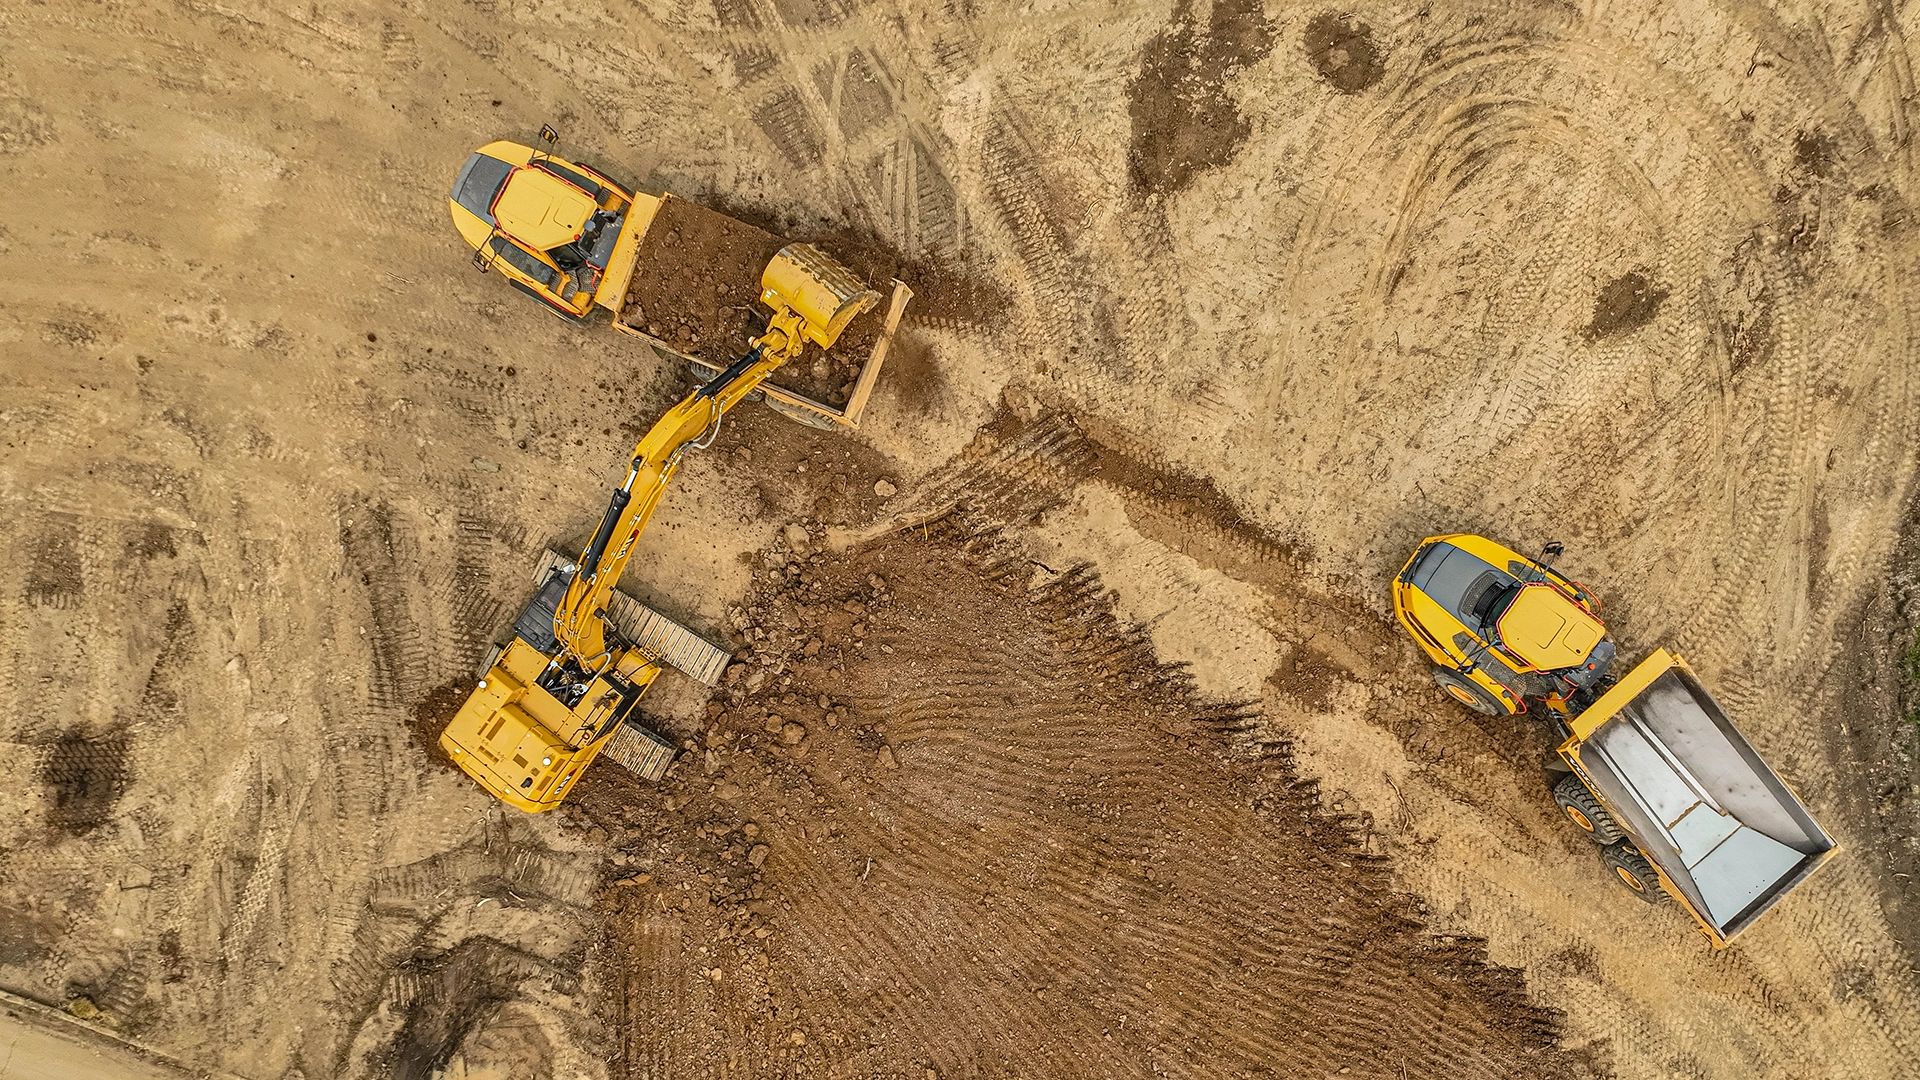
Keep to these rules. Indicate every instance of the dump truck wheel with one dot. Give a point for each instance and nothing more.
(1585, 811)
(1468, 693)
(1633, 872)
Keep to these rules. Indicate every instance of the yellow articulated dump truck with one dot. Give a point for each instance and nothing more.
(1648, 765)
(683, 278)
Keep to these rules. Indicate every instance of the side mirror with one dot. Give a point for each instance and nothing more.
(1552, 551)
(548, 135)
(480, 259)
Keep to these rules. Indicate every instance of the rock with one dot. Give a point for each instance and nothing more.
(486, 466)
(797, 538)
(84, 1008)
(727, 791)
(637, 879)
(135, 876)
(750, 830)
(884, 489)
(596, 836)
(757, 855)
(775, 724)
(716, 975)
(812, 648)
(876, 581)
(793, 733)
(887, 760)
(798, 1038)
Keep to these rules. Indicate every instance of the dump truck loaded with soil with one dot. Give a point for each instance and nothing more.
(1649, 766)
(676, 274)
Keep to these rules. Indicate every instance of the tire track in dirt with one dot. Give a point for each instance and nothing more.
(1060, 873)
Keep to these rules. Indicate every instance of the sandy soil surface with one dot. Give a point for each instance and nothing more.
(1220, 308)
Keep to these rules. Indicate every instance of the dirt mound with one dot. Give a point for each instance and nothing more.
(957, 818)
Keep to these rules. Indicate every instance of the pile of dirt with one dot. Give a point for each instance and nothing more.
(696, 281)
(951, 818)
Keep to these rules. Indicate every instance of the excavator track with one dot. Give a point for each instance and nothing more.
(640, 751)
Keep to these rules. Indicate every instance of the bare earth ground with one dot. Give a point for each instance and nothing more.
(1220, 308)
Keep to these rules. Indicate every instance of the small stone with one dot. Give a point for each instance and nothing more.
(757, 855)
(775, 724)
(727, 792)
(135, 876)
(750, 830)
(486, 466)
(596, 836)
(876, 581)
(887, 760)
(884, 489)
(812, 647)
(793, 733)
(85, 1009)
(797, 538)
(716, 974)
(762, 933)
(637, 879)
(798, 1038)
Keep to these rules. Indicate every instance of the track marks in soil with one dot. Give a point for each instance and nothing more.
(1062, 874)
(85, 778)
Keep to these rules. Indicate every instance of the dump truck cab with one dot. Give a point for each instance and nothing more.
(552, 228)
(1502, 628)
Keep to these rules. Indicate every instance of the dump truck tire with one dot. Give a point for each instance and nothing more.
(1585, 811)
(1467, 692)
(1633, 872)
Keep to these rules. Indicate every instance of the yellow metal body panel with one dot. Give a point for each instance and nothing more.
(1435, 629)
(613, 286)
(1546, 628)
(520, 742)
(538, 211)
(541, 210)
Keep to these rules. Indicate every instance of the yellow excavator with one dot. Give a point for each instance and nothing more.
(564, 687)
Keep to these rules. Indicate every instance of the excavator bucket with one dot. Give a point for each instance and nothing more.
(822, 292)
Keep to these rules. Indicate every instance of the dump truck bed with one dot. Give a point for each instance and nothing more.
(1724, 830)
(693, 292)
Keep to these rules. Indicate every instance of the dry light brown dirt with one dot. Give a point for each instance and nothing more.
(1122, 769)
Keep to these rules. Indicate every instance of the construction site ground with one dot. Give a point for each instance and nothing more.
(1068, 733)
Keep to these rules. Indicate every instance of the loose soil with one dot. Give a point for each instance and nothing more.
(696, 281)
(952, 816)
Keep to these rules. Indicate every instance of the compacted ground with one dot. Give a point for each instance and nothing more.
(1220, 308)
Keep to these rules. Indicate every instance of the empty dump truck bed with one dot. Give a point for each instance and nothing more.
(1726, 834)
